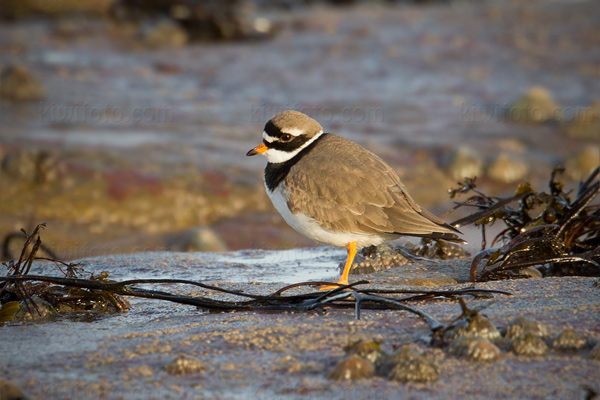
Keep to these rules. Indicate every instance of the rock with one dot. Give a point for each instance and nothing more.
(465, 163)
(375, 259)
(202, 20)
(530, 345)
(581, 166)
(586, 124)
(569, 340)
(184, 365)
(595, 353)
(352, 368)
(419, 369)
(436, 249)
(482, 327)
(20, 165)
(163, 33)
(511, 145)
(140, 371)
(531, 273)
(474, 348)
(8, 391)
(405, 353)
(33, 166)
(196, 239)
(168, 68)
(507, 169)
(14, 9)
(370, 351)
(69, 28)
(476, 325)
(40, 309)
(18, 84)
(458, 329)
(536, 106)
(427, 181)
(521, 325)
(263, 26)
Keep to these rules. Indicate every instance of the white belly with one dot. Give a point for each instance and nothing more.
(310, 228)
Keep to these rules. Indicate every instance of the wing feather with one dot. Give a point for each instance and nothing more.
(358, 192)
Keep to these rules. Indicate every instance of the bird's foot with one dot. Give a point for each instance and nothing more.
(331, 287)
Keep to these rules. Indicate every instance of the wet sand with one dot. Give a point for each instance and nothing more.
(288, 355)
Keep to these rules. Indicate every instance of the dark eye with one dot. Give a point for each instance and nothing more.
(286, 137)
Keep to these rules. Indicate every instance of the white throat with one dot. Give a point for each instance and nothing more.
(278, 156)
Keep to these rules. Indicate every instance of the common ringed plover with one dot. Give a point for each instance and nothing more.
(336, 192)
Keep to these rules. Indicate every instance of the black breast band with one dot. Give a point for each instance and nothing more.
(275, 173)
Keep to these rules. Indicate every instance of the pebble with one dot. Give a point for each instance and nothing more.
(10, 391)
(474, 348)
(163, 33)
(40, 309)
(184, 365)
(586, 124)
(405, 353)
(521, 325)
(482, 327)
(18, 83)
(580, 166)
(419, 369)
(195, 239)
(27, 8)
(370, 351)
(535, 106)
(595, 353)
(569, 340)
(529, 345)
(465, 163)
(507, 169)
(477, 325)
(352, 368)
(380, 258)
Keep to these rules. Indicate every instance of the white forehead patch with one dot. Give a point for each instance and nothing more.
(268, 138)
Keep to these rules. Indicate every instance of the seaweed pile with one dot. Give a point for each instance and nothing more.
(72, 294)
(551, 231)
(41, 299)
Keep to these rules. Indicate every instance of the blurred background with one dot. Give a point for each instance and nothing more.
(124, 123)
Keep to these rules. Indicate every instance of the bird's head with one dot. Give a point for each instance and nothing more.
(285, 135)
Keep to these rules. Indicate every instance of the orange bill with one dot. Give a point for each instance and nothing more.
(261, 148)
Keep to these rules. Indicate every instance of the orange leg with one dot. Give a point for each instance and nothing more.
(344, 278)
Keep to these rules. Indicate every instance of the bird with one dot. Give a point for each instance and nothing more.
(334, 191)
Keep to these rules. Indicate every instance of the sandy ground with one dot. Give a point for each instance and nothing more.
(288, 355)
(441, 75)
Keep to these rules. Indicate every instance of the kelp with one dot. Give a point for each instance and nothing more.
(100, 293)
(546, 229)
(18, 290)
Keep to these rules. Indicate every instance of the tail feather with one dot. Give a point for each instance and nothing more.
(450, 237)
